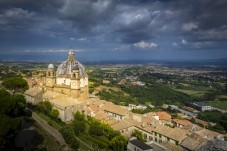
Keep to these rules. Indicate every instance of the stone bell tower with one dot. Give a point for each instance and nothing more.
(50, 77)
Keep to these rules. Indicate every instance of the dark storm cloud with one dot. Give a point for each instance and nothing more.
(209, 20)
(86, 15)
(40, 5)
(115, 24)
(16, 19)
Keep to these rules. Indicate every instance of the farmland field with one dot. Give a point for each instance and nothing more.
(192, 92)
(219, 104)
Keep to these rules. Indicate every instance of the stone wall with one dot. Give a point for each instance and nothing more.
(53, 132)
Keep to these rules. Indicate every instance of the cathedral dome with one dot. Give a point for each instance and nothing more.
(50, 66)
(65, 68)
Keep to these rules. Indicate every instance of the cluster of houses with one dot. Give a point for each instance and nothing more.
(132, 81)
(158, 128)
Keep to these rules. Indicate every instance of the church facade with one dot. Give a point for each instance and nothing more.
(65, 87)
(70, 78)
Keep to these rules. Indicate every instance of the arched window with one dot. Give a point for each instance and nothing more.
(48, 73)
(74, 75)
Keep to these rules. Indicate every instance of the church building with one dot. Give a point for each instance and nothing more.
(70, 78)
(65, 87)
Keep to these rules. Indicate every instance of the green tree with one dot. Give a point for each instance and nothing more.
(138, 135)
(78, 124)
(11, 111)
(54, 113)
(95, 129)
(108, 131)
(45, 107)
(12, 106)
(5, 102)
(19, 104)
(118, 143)
(69, 136)
(79, 117)
(9, 127)
(79, 127)
(15, 84)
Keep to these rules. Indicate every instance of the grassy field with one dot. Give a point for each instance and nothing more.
(192, 92)
(184, 84)
(219, 104)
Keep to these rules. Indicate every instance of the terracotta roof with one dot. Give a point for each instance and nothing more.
(32, 92)
(177, 134)
(182, 115)
(101, 115)
(182, 122)
(61, 100)
(205, 133)
(94, 108)
(114, 109)
(110, 121)
(150, 114)
(171, 146)
(193, 142)
(173, 133)
(123, 124)
(204, 123)
(164, 116)
(97, 102)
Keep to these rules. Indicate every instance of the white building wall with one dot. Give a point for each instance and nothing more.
(67, 81)
(81, 82)
(63, 81)
(61, 114)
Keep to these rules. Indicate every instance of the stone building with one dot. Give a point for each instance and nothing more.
(33, 95)
(65, 87)
(70, 78)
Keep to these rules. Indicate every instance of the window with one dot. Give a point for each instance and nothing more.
(150, 138)
(48, 73)
(145, 136)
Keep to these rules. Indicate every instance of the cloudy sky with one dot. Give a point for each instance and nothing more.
(113, 29)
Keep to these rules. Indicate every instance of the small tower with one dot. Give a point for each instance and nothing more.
(71, 56)
(50, 76)
(75, 81)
